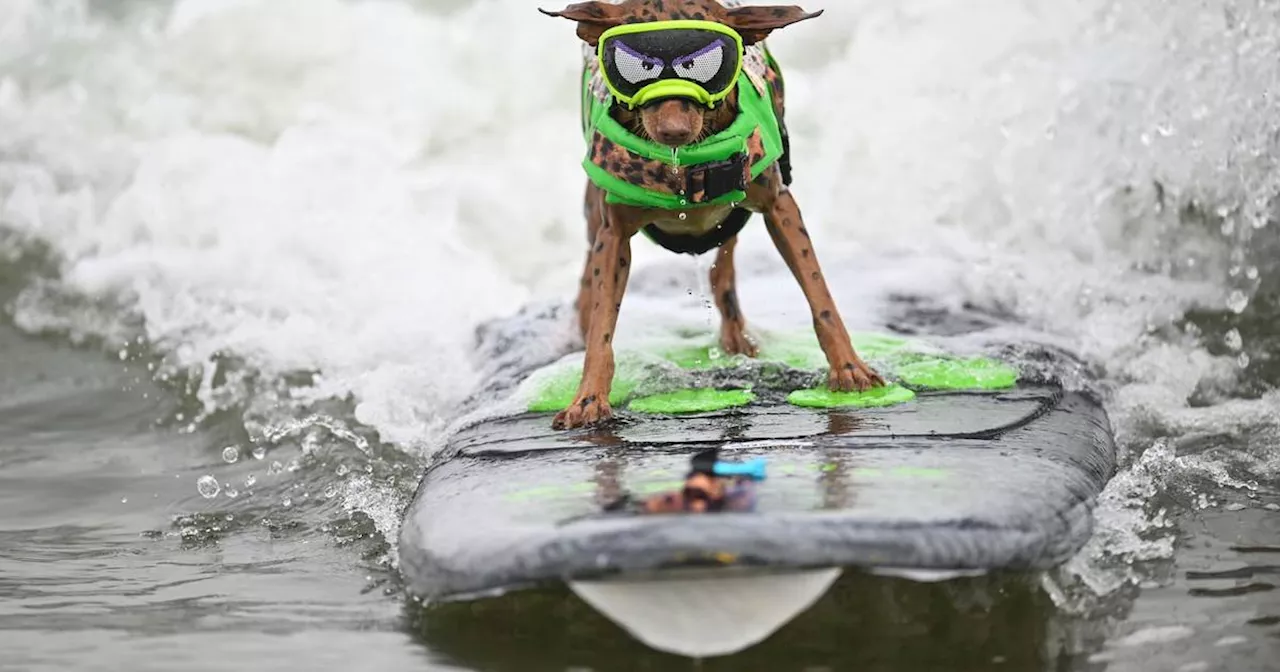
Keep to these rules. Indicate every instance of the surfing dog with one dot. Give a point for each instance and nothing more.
(684, 118)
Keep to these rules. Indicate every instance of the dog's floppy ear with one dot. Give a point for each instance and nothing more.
(593, 18)
(755, 22)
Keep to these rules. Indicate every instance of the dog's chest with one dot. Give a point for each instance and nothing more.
(691, 222)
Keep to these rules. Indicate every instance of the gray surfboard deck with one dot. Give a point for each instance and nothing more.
(949, 481)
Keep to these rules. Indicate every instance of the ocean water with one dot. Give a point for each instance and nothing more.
(245, 246)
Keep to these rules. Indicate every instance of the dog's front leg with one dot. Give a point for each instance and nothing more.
(593, 211)
(610, 264)
(733, 326)
(847, 371)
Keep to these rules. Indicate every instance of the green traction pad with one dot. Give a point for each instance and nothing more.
(821, 397)
(644, 378)
(702, 400)
(976, 373)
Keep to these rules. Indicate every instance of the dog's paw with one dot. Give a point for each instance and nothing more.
(735, 341)
(582, 412)
(853, 376)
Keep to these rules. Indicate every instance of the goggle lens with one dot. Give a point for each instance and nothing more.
(641, 64)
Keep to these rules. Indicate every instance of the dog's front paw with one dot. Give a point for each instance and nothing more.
(735, 341)
(584, 411)
(853, 376)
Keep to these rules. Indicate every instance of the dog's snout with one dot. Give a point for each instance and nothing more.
(673, 122)
(675, 134)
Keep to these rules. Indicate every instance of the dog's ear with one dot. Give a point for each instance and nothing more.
(593, 18)
(755, 22)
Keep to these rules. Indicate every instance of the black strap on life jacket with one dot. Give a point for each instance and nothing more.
(682, 243)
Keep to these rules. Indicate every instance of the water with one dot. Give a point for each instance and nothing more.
(274, 225)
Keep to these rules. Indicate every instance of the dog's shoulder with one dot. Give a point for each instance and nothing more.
(590, 61)
(756, 66)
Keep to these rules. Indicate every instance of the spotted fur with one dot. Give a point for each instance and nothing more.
(648, 173)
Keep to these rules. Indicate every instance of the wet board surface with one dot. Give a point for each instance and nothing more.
(950, 479)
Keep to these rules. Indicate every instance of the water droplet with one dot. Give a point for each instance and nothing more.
(343, 470)
(1202, 502)
(124, 500)
(1233, 340)
(230, 454)
(275, 468)
(250, 481)
(294, 465)
(287, 502)
(310, 443)
(259, 453)
(1251, 272)
(1237, 301)
(232, 492)
(208, 487)
(1236, 506)
(683, 216)
(330, 492)
(230, 518)
(1228, 226)
(1242, 360)
(124, 354)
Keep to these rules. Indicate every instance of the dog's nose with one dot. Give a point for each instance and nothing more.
(675, 135)
(673, 122)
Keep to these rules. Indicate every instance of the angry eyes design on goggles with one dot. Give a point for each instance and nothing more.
(642, 62)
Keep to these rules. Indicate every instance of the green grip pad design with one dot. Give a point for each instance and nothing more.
(939, 373)
(797, 352)
(702, 400)
(912, 366)
(560, 388)
(876, 397)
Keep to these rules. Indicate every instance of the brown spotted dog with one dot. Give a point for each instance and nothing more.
(677, 122)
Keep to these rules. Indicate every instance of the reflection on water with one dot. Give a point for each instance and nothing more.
(864, 622)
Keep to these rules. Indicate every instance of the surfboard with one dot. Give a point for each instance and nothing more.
(962, 463)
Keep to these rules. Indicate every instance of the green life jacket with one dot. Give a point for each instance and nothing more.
(632, 170)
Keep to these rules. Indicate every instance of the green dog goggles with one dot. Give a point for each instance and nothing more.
(643, 62)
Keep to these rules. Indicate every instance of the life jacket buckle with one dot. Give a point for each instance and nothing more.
(709, 181)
